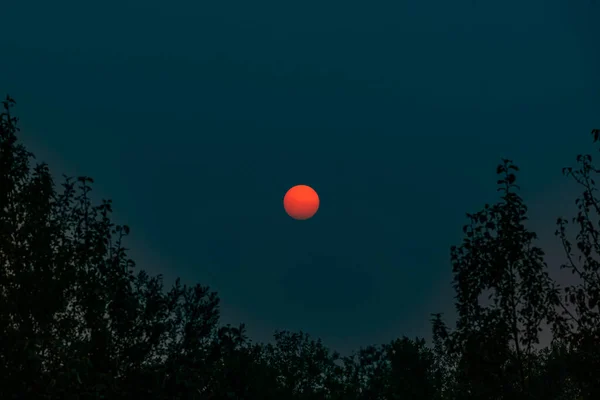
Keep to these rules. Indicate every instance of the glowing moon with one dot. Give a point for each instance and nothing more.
(301, 202)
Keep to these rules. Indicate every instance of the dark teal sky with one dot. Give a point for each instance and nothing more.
(195, 119)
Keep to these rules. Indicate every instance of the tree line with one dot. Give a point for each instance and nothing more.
(79, 321)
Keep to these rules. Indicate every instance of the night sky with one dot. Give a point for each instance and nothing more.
(195, 118)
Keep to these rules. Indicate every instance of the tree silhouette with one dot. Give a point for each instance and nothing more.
(78, 320)
(495, 344)
(579, 326)
(75, 319)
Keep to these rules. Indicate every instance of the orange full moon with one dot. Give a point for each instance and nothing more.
(301, 202)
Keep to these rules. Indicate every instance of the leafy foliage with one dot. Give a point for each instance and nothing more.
(79, 321)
